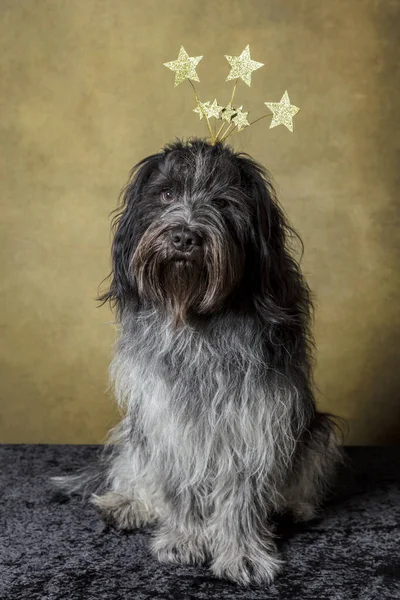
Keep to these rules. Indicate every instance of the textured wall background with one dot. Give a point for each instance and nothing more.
(84, 95)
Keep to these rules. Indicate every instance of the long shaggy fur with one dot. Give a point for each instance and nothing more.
(212, 367)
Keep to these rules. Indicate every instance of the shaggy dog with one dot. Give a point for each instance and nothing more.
(212, 366)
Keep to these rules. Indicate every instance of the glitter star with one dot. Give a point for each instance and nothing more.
(228, 112)
(241, 119)
(242, 66)
(202, 109)
(214, 110)
(283, 112)
(184, 66)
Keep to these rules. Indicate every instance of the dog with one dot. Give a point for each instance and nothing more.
(212, 367)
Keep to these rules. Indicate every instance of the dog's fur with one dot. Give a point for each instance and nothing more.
(212, 366)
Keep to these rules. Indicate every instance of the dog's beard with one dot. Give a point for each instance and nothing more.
(197, 283)
(183, 285)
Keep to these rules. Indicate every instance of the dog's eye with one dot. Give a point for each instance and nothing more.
(221, 202)
(167, 195)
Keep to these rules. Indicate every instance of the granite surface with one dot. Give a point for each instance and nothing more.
(53, 547)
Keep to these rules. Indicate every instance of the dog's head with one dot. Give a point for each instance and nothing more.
(199, 228)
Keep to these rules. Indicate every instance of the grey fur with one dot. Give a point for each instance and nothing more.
(212, 372)
(220, 446)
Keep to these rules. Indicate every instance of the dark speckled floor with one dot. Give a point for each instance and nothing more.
(52, 547)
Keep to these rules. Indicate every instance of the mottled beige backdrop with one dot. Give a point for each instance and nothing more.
(84, 95)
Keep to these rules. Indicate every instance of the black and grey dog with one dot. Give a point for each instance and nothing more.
(212, 365)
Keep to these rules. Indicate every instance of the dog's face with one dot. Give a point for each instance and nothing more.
(195, 226)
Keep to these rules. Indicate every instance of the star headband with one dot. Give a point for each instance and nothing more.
(234, 119)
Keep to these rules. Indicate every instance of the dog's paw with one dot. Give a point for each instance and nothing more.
(245, 567)
(179, 548)
(123, 512)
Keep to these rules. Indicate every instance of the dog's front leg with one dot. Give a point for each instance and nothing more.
(181, 536)
(243, 549)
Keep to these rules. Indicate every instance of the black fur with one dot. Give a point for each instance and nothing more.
(213, 364)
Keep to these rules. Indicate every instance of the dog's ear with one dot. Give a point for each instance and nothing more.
(279, 290)
(126, 227)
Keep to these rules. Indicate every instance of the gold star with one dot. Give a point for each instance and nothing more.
(242, 66)
(228, 112)
(283, 112)
(241, 119)
(214, 110)
(184, 66)
(202, 109)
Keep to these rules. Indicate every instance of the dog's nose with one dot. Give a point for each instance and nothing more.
(185, 239)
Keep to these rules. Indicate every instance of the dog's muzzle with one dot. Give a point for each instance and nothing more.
(185, 240)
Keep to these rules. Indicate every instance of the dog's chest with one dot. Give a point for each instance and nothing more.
(202, 406)
(189, 383)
